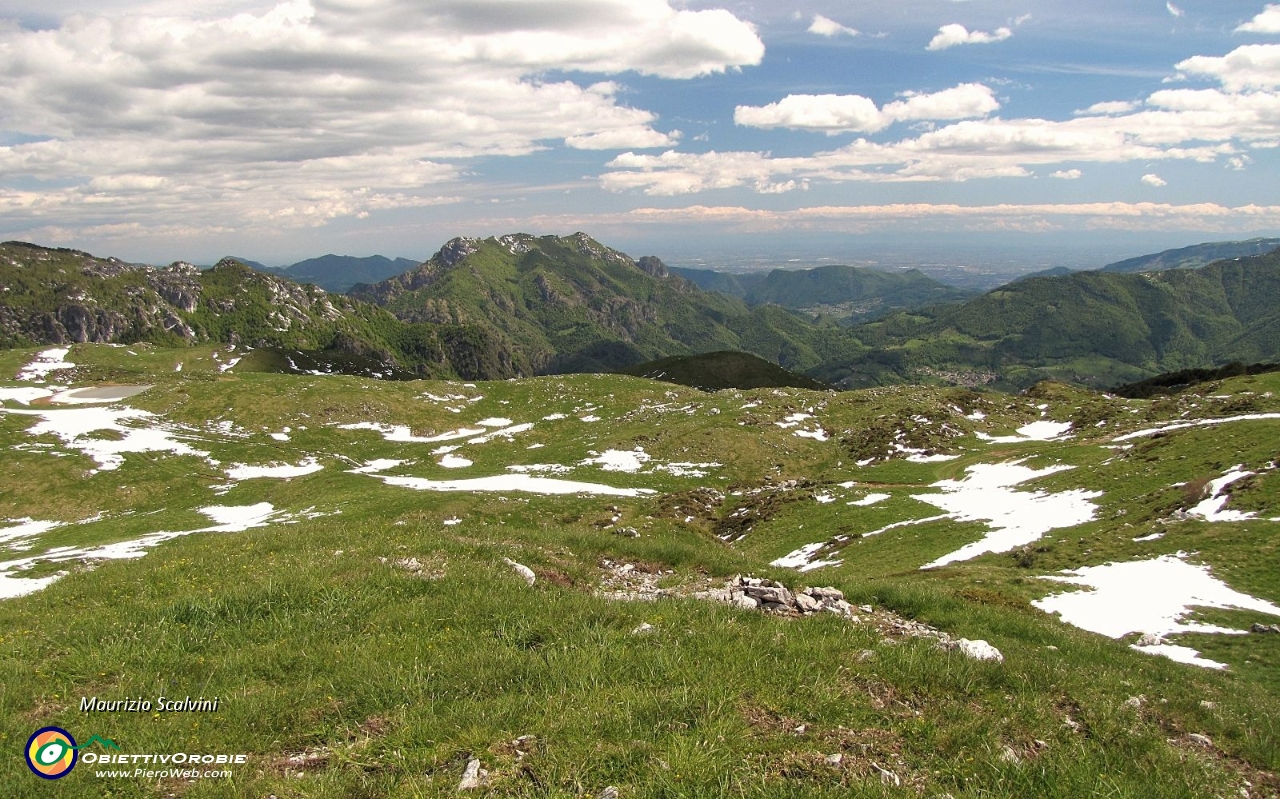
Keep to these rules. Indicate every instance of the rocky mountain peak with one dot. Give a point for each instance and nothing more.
(455, 250)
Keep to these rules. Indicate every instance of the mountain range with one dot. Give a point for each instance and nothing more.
(523, 305)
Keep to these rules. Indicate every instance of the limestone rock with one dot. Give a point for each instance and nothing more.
(474, 776)
(522, 570)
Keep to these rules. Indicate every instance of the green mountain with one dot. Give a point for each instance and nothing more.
(570, 304)
(1093, 328)
(1194, 256)
(732, 283)
(338, 273)
(715, 371)
(60, 296)
(853, 293)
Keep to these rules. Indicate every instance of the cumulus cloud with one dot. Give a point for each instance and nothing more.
(1066, 174)
(1267, 21)
(1155, 181)
(1200, 125)
(310, 111)
(1253, 66)
(825, 26)
(956, 34)
(843, 113)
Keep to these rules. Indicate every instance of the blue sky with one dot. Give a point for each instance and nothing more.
(165, 130)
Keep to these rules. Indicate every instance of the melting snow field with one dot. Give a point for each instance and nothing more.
(48, 361)
(1211, 509)
(240, 471)
(74, 426)
(1149, 596)
(226, 519)
(1248, 417)
(1036, 431)
(506, 482)
(1016, 518)
(801, 559)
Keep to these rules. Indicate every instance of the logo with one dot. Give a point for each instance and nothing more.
(51, 753)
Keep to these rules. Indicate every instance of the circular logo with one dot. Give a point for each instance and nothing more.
(51, 753)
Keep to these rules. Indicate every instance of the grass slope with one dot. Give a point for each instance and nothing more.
(715, 371)
(374, 646)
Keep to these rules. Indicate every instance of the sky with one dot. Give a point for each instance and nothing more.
(157, 131)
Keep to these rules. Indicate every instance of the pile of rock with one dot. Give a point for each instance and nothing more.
(758, 593)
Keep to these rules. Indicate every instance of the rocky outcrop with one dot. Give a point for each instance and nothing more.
(652, 266)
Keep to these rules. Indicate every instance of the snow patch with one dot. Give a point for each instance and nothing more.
(802, 559)
(51, 360)
(1148, 596)
(1043, 430)
(513, 482)
(1248, 417)
(869, 499)
(1015, 518)
(616, 460)
(450, 461)
(240, 471)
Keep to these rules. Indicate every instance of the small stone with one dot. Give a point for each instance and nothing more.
(834, 760)
(1149, 639)
(627, 532)
(824, 593)
(1207, 705)
(775, 607)
(473, 776)
(1203, 740)
(1135, 701)
(767, 594)
(840, 608)
(807, 603)
(979, 650)
(865, 655)
(608, 793)
(1265, 628)
(800, 730)
(1009, 756)
(522, 570)
(643, 629)
(746, 602)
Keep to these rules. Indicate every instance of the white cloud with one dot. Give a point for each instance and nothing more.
(1066, 174)
(843, 113)
(1155, 181)
(311, 111)
(825, 26)
(956, 34)
(1238, 163)
(1252, 66)
(1267, 21)
(1112, 107)
(1174, 10)
(1202, 125)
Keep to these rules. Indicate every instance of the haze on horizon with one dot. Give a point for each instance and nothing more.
(279, 131)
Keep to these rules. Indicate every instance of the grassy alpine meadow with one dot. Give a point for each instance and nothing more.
(335, 560)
